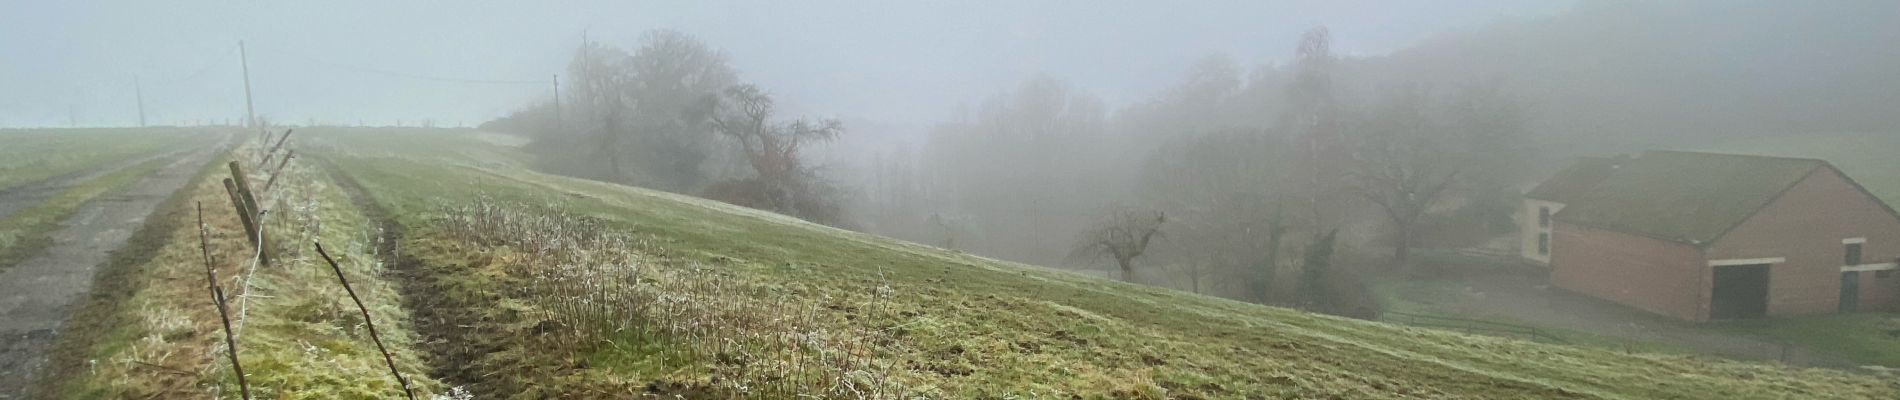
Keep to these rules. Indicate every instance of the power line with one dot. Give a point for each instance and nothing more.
(210, 63)
(413, 76)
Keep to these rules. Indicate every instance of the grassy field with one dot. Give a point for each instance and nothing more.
(29, 155)
(150, 329)
(1865, 338)
(899, 319)
(1436, 297)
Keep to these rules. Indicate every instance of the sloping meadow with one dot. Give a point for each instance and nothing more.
(544, 286)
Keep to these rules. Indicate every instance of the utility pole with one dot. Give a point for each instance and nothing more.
(557, 100)
(139, 92)
(244, 62)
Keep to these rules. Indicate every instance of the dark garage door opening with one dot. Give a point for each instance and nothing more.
(1741, 291)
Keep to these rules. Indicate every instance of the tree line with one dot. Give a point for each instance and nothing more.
(672, 114)
(1267, 185)
(1227, 183)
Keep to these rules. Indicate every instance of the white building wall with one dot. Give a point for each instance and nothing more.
(1534, 229)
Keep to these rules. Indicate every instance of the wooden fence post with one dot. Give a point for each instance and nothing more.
(257, 215)
(243, 186)
(244, 213)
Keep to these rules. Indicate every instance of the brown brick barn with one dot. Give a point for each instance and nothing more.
(1703, 236)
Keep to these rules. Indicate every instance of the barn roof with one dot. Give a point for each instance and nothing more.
(1576, 179)
(1685, 196)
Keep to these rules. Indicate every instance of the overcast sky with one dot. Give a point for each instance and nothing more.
(899, 63)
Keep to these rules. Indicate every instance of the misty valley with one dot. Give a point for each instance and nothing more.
(993, 200)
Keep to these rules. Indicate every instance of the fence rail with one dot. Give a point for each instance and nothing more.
(1470, 326)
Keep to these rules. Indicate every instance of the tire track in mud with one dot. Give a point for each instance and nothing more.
(444, 326)
(39, 294)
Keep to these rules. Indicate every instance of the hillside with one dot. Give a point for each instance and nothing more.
(488, 279)
(1628, 75)
(1866, 157)
(779, 305)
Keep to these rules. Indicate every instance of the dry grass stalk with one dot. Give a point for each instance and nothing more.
(593, 286)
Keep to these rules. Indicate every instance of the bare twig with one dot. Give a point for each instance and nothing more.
(217, 297)
(366, 321)
(166, 369)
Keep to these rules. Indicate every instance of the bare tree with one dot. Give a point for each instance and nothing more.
(1225, 191)
(640, 117)
(1021, 165)
(743, 113)
(1404, 162)
(950, 226)
(1316, 269)
(599, 91)
(1312, 115)
(1124, 236)
(673, 75)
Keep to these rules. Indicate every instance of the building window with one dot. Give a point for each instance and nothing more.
(1543, 217)
(1543, 244)
(1883, 274)
(1853, 254)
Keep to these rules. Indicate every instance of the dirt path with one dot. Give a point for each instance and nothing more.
(26, 195)
(39, 293)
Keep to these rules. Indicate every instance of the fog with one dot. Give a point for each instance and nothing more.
(905, 65)
(1053, 133)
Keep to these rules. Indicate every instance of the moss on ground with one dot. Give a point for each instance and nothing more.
(971, 327)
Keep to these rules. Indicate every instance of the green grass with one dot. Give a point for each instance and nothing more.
(101, 325)
(1433, 297)
(29, 155)
(1863, 338)
(150, 330)
(27, 231)
(971, 327)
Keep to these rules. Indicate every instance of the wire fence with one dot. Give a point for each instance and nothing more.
(1472, 326)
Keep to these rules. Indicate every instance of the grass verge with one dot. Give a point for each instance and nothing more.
(1428, 297)
(1866, 338)
(151, 330)
(95, 324)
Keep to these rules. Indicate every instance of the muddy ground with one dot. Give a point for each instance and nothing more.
(39, 293)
